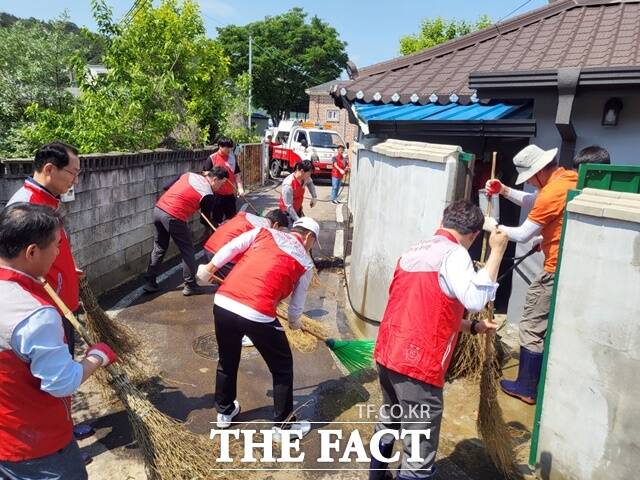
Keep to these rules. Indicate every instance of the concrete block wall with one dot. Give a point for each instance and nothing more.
(110, 222)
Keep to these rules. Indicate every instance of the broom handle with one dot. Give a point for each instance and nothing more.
(485, 240)
(208, 222)
(72, 319)
(243, 197)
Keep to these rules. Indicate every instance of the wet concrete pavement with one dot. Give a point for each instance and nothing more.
(179, 334)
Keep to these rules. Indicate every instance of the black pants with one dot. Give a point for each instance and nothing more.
(272, 344)
(168, 227)
(224, 208)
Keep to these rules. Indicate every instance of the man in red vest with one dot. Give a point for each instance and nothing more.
(170, 217)
(433, 284)
(273, 265)
(340, 167)
(293, 187)
(37, 373)
(224, 206)
(56, 170)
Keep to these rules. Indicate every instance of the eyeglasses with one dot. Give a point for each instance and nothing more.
(75, 174)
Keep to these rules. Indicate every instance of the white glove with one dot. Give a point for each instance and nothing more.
(536, 242)
(295, 324)
(241, 191)
(203, 276)
(490, 224)
(313, 202)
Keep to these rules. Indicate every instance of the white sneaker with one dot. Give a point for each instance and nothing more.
(302, 426)
(246, 342)
(224, 421)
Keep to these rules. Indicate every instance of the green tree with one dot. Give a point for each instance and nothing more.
(289, 56)
(438, 30)
(164, 85)
(35, 61)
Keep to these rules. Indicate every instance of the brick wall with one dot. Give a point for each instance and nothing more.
(110, 222)
(319, 105)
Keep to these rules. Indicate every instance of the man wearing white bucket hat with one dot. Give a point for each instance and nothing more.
(538, 168)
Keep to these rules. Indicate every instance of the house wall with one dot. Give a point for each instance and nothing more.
(590, 411)
(387, 221)
(620, 141)
(319, 105)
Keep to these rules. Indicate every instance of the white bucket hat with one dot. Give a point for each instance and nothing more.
(310, 224)
(530, 160)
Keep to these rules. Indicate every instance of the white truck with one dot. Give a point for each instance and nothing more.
(299, 141)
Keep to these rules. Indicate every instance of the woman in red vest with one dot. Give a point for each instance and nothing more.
(37, 373)
(433, 284)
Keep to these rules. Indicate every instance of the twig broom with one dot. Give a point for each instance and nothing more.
(169, 450)
(490, 423)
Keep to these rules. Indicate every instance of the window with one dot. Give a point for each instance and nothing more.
(333, 115)
(301, 137)
(325, 140)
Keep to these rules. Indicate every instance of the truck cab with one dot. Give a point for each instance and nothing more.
(304, 141)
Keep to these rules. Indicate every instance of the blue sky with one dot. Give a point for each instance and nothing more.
(371, 28)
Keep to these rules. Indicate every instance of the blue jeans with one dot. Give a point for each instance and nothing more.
(335, 186)
(65, 464)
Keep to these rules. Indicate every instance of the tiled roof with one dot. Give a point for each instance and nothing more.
(565, 33)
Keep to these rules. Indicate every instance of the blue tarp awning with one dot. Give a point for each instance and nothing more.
(473, 112)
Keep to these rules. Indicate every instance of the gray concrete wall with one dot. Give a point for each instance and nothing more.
(397, 197)
(110, 221)
(590, 411)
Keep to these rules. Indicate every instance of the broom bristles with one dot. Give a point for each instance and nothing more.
(355, 355)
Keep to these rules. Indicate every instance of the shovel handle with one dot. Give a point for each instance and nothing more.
(208, 221)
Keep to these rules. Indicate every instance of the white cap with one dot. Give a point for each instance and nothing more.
(530, 160)
(310, 224)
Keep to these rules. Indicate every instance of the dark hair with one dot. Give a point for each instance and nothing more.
(591, 154)
(218, 172)
(23, 224)
(225, 142)
(305, 166)
(341, 146)
(463, 216)
(56, 153)
(277, 216)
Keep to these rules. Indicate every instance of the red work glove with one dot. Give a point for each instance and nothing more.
(103, 352)
(493, 187)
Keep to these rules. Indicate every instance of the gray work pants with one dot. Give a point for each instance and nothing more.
(168, 227)
(533, 325)
(410, 404)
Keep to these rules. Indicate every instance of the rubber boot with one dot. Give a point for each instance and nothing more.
(377, 469)
(525, 387)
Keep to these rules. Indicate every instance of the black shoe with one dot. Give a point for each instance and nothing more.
(151, 286)
(193, 289)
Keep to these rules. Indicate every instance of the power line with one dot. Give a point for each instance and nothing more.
(292, 68)
(527, 2)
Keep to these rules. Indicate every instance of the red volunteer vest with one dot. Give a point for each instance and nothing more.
(298, 193)
(62, 276)
(242, 222)
(340, 163)
(420, 325)
(183, 197)
(33, 423)
(267, 272)
(228, 162)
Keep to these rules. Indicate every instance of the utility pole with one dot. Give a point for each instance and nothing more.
(250, 81)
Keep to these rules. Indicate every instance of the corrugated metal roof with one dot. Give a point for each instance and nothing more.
(433, 111)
